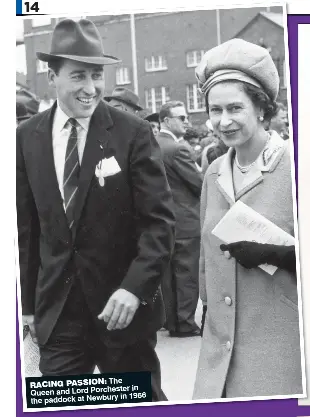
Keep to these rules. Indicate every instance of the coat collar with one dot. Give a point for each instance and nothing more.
(96, 148)
(267, 162)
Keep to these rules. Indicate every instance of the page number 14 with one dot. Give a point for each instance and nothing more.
(32, 7)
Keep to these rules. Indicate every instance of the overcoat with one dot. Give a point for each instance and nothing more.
(251, 340)
(124, 231)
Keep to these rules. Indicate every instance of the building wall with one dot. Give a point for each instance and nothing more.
(168, 34)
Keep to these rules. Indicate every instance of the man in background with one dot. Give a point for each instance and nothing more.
(124, 99)
(180, 290)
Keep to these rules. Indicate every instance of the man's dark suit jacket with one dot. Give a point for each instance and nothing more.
(185, 182)
(124, 231)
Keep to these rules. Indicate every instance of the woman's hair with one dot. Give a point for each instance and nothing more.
(258, 97)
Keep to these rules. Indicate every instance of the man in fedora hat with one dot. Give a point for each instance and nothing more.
(95, 220)
(124, 99)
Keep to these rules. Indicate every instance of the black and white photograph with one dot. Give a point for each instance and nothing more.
(156, 207)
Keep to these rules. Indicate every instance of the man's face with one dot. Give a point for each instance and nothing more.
(177, 122)
(279, 122)
(122, 106)
(79, 87)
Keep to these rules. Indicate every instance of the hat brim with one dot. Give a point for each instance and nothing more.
(135, 106)
(100, 60)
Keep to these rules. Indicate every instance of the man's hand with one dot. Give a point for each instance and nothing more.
(120, 309)
(29, 320)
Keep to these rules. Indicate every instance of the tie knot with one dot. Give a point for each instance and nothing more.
(73, 122)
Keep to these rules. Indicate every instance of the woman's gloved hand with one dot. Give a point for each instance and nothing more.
(252, 254)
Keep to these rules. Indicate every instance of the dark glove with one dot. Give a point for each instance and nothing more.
(203, 319)
(252, 254)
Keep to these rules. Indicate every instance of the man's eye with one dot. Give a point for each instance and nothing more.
(78, 77)
(215, 110)
(97, 76)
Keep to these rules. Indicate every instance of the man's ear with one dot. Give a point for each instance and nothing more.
(51, 77)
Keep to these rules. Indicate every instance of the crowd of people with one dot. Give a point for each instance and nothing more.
(116, 208)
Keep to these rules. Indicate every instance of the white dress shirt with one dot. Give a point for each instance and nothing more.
(61, 132)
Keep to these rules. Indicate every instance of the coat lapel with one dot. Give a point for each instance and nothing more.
(96, 148)
(48, 178)
(224, 181)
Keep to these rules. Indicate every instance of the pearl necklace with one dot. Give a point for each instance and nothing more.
(246, 168)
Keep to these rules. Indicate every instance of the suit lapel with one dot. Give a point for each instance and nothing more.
(47, 174)
(96, 147)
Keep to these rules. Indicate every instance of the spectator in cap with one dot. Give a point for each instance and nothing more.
(95, 221)
(124, 99)
(180, 287)
(251, 340)
(153, 119)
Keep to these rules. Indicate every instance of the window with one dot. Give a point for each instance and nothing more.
(195, 100)
(122, 76)
(42, 66)
(155, 63)
(156, 97)
(41, 21)
(193, 58)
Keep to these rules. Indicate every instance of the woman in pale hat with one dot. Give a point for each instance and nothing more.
(251, 340)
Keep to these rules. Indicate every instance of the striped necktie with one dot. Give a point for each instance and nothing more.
(71, 173)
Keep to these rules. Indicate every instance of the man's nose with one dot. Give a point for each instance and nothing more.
(89, 87)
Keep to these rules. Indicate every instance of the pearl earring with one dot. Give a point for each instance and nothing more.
(261, 118)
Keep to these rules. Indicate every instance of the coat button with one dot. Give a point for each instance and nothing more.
(228, 345)
(228, 301)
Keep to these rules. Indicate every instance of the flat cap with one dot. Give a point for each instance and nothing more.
(240, 60)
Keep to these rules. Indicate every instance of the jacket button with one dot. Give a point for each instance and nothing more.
(228, 345)
(228, 301)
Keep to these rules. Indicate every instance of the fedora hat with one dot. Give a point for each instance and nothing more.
(126, 96)
(79, 41)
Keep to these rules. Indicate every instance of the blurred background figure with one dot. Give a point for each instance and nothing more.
(180, 286)
(192, 138)
(21, 113)
(29, 100)
(153, 119)
(27, 105)
(124, 99)
(279, 122)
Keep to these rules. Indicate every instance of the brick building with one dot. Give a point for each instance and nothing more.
(168, 47)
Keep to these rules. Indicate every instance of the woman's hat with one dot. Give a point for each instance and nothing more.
(238, 60)
(79, 41)
(126, 96)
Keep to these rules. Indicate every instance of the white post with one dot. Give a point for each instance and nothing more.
(134, 53)
(218, 26)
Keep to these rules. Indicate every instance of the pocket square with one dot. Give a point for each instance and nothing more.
(105, 168)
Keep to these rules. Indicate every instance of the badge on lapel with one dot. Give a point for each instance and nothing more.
(105, 168)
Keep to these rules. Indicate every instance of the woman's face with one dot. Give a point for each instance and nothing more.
(233, 114)
(155, 128)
